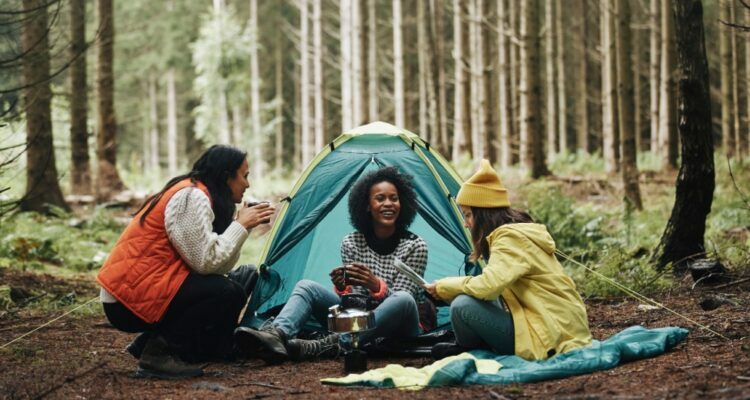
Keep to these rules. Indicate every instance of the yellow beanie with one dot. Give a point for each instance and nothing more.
(483, 189)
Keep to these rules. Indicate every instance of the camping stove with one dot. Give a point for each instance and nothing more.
(352, 317)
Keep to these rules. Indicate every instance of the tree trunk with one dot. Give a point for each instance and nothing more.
(372, 62)
(725, 50)
(153, 114)
(318, 76)
(237, 126)
(551, 84)
(398, 68)
(307, 139)
(747, 86)
(667, 111)
(531, 135)
(478, 95)
(581, 82)
(224, 135)
(635, 68)
(108, 179)
(625, 106)
(345, 34)
(514, 73)
(297, 142)
(682, 240)
(422, 61)
(459, 109)
(653, 71)
(503, 104)
(356, 62)
(737, 128)
(258, 142)
(171, 124)
(279, 139)
(79, 135)
(438, 68)
(42, 188)
(609, 93)
(562, 100)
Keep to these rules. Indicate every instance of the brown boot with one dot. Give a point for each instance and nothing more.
(268, 343)
(157, 361)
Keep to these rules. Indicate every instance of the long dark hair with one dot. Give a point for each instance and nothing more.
(359, 199)
(487, 220)
(212, 168)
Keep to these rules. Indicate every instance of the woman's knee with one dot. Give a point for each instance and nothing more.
(462, 304)
(405, 301)
(307, 286)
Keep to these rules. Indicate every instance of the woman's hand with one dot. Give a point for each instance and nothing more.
(431, 289)
(337, 277)
(360, 275)
(250, 217)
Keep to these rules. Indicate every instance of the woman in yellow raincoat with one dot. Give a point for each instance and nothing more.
(522, 303)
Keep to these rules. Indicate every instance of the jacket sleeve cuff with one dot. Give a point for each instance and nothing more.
(347, 290)
(380, 294)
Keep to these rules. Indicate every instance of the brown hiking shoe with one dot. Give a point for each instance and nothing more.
(267, 343)
(157, 361)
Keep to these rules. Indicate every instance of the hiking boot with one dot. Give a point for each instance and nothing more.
(447, 349)
(158, 361)
(268, 343)
(327, 347)
(135, 348)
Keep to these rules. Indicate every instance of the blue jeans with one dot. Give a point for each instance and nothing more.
(396, 316)
(479, 324)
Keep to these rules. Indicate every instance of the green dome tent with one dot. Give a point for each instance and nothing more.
(304, 242)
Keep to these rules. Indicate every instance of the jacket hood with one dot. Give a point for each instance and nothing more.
(537, 233)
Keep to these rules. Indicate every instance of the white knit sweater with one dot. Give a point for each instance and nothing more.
(188, 220)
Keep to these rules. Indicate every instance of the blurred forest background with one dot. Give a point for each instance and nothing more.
(576, 102)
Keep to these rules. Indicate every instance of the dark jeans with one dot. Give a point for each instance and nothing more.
(201, 318)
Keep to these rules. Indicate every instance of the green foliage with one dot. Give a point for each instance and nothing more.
(36, 241)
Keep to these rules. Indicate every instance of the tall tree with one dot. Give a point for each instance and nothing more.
(423, 75)
(653, 71)
(736, 125)
(725, 71)
(609, 90)
(551, 84)
(683, 238)
(171, 122)
(258, 138)
(42, 188)
(459, 109)
(582, 77)
(504, 111)
(79, 135)
(398, 67)
(478, 93)
(108, 179)
(355, 22)
(562, 100)
(318, 87)
(667, 110)
(438, 71)
(372, 61)
(153, 160)
(625, 106)
(514, 74)
(307, 139)
(279, 101)
(530, 90)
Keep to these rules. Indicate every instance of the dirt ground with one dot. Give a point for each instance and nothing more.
(81, 357)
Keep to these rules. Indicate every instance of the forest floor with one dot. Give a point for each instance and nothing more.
(80, 356)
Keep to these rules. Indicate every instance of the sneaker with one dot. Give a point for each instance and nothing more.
(327, 347)
(158, 361)
(447, 349)
(268, 343)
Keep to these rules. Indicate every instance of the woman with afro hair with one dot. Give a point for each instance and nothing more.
(382, 206)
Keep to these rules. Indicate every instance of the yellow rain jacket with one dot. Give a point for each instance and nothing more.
(549, 316)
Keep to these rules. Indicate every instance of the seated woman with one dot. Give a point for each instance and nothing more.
(165, 275)
(522, 303)
(382, 205)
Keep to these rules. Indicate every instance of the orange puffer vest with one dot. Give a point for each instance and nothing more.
(144, 271)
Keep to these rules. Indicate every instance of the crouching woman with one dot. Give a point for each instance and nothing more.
(165, 276)
(522, 303)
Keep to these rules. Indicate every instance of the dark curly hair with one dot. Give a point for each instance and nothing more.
(359, 199)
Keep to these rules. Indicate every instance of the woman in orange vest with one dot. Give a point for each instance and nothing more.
(167, 274)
